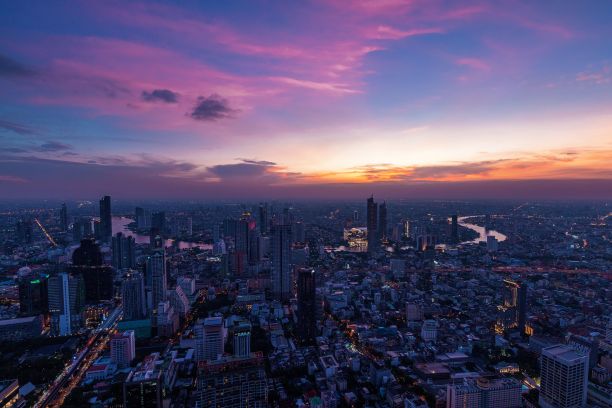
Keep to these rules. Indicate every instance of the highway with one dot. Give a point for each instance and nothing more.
(71, 375)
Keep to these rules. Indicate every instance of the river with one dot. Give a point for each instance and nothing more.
(482, 231)
(120, 224)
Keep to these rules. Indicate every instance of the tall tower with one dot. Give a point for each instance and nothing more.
(66, 301)
(242, 340)
(454, 229)
(106, 222)
(133, 297)
(382, 221)
(156, 265)
(210, 338)
(263, 218)
(281, 262)
(306, 296)
(64, 218)
(564, 377)
(372, 224)
(87, 261)
(124, 251)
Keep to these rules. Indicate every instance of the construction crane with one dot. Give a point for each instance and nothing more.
(49, 237)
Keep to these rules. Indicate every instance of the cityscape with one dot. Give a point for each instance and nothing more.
(317, 204)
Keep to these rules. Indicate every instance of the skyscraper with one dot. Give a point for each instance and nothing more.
(66, 301)
(210, 338)
(263, 218)
(454, 229)
(133, 297)
(87, 261)
(124, 251)
(156, 267)
(281, 261)
(106, 222)
(372, 224)
(64, 218)
(123, 348)
(382, 221)
(564, 373)
(242, 339)
(33, 291)
(306, 296)
(516, 302)
(158, 223)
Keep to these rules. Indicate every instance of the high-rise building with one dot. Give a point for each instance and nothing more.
(382, 221)
(143, 218)
(281, 261)
(236, 382)
(484, 393)
(429, 330)
(307, 308)
(515, 302)
(106, 221)
(372, 224)
(24, 231)
(564, 376)
(158, 223)
(64, 218)
(123, 348)
(263, 219)
(298, 232)
(143, 387)
(241, 336)
(133, 297)
(454, 229)
(124, 251)
(81, 228)
(156, 268)
(66, 301)
(87, 261)
(210, 338)
(33, 294)
(179, 301)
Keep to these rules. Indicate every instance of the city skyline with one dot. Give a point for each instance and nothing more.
(312, 100)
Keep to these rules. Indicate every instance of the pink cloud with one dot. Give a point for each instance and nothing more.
(475, 63)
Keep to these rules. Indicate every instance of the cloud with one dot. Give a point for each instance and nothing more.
(211, 108)
(53, 146)
(16, 127)
(11, 68)
(247, 168)
(11, 179)
(160, 95)
(462, 169)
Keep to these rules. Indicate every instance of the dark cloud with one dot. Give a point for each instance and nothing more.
(53, 146)
(160, 95)
(462, 169)
(248, 168)
(16, 127)
(10, 67)
(211, 108)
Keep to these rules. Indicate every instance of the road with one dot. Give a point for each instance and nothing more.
(72, 375)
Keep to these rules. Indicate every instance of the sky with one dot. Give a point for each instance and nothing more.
(306, 99)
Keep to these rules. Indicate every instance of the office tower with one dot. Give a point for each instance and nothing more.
(143, 218)
(133, 297)
(242, 339)
(179, 301)
(454, 228)
(229, 227)
(515, 303)
(564, 375)
(306, 297)
(188, 285)
(429, 330)
(298, 232)
(143, 387)
(33, 294)
(156, 268)
(24, 231)
(66, 301)
(372, 224)
(64, 218)
(166, 319)
(87, 261)
(355, 216)
(81, 228)
(124, 251)
(382, 221)
(210, 339)
(281, 262)
(123, 348)
(263, 219)
(484, 393)
(236, 382)
(241, 241)
(158, 223)
(254, 251)
(106, 222)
